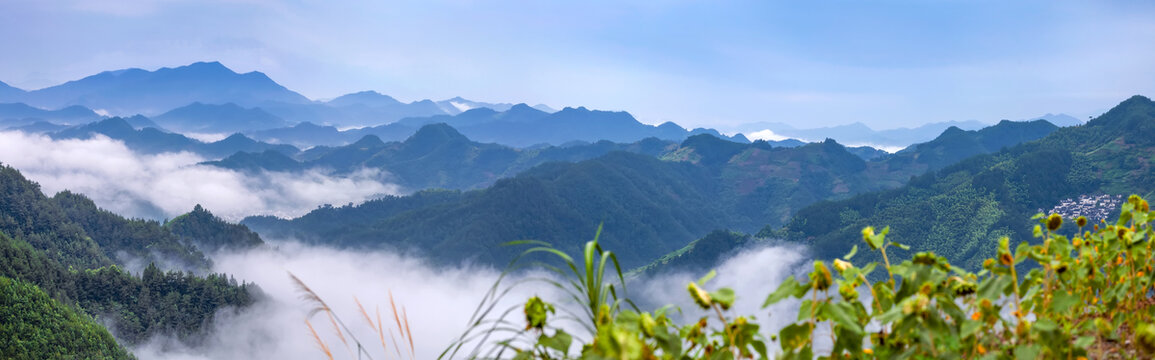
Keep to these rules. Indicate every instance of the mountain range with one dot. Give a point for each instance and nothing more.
(137, 91)
(436, 156)
(649, 205)
(20, 114)
(209, 98)
(961, 209)
(861, 134)
(519, 126)
(150, 140)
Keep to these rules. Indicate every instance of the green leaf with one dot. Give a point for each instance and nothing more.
(890, 316)
(787, 288)
(560, 341)
(1063, 301)
(1084, 342)
(900, 246)
(794, 336)
(724, 297)
(994, 287)
(844, 315)
(1028, 352)
(709, 276)
(1045, 325)
(970, 327)
(853, 250)
(1021, 252)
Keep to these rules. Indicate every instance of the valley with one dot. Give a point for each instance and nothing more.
(525, 180)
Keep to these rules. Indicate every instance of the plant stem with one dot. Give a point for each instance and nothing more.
(886, 260)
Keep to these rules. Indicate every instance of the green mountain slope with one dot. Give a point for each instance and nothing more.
(436, 156)
(209, 233)
(37, 327)
(959, 210)
(74, 251)
(649, 206)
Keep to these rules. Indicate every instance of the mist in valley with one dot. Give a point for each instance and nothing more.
(169, 184)
(437, 301)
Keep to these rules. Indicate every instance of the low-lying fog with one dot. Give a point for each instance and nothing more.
(165, 185)
(438, 301)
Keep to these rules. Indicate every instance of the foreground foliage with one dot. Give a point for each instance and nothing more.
(1083, 296)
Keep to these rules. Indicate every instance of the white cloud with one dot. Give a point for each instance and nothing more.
(753, 274)
(462, 107)
(170, 184)
(207, 137)
(887, 148)
(437, 301)
(765, 134)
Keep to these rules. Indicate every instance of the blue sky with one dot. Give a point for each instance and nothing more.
(698, 63)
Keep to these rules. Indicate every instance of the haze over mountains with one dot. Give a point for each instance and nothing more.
(209, 98)
(650, 205)
(439, 186)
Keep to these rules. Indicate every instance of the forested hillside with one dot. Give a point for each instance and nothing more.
(436, 156)
(958, 210)
(649, 206)
(37, 327)
(75, 253)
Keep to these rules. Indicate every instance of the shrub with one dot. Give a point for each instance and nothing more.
(1088, 295)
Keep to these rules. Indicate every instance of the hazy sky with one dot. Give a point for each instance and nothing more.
(715, 63)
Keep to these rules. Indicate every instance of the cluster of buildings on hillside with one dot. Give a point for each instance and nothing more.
(1094, 207)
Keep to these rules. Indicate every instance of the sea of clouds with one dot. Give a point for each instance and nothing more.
(437, 301)
(169, 184)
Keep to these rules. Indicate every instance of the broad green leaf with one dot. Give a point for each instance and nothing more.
(970, 327)
(794, 336)
(1063, 301)
(992, 288)
(844, 315)
(788, 287)
(724, 297)
(1044, 325)
(1028, 352)
(560, 341)
(876, 241)
(1084, 342)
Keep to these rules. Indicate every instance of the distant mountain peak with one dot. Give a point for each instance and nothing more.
(203, 68)
(213, 65)
(521, 107)
(113, 123)
(955, 130)
(436, 133)
(238, 137)
(479, 111)
(1116, 117)
(9, 89)
(368, 141)
(368, 98)
(137, 91)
